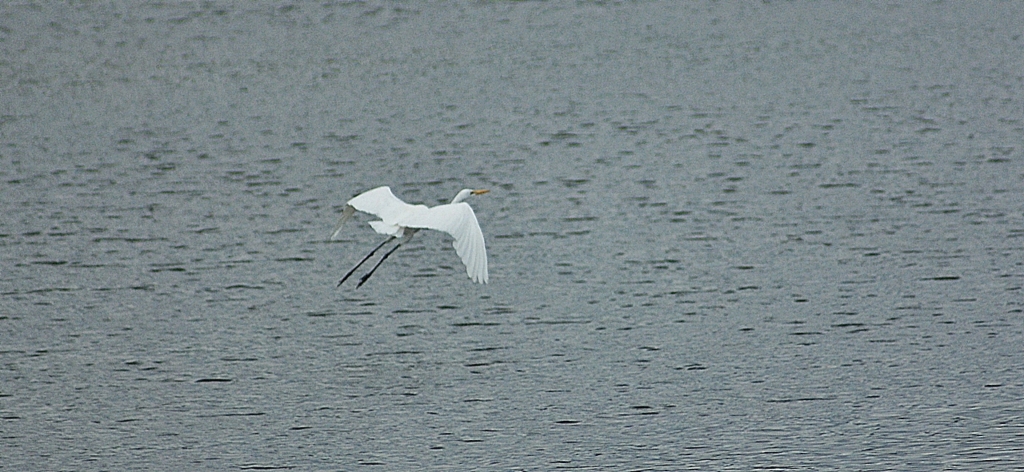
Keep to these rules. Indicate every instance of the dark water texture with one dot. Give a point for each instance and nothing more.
(722, 236)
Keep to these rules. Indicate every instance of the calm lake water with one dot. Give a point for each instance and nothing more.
(722, 236)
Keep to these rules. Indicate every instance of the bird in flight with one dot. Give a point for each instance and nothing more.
(402, 220)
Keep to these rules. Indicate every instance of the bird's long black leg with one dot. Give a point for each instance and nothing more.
(366, 277)
(349, 274)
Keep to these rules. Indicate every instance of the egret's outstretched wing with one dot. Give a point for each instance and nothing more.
(460, 222)
(381, 202)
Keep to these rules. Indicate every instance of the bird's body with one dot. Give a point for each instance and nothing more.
(401, 220)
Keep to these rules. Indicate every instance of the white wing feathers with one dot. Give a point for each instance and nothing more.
(381, 202)
(456, 219)
(460, 222)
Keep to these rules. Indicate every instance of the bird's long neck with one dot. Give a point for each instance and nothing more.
(462, 195)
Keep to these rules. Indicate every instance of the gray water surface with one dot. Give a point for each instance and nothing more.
(722, 236)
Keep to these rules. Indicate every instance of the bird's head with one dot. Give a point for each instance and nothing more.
(466, 193)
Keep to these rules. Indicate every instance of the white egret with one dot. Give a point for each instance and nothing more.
(401, 220)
